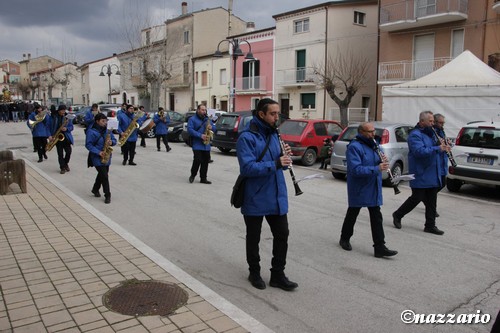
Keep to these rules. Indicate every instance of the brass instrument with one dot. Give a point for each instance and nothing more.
(161, 114)
(38, 118)
(209, 134)
(107, 149)
(298, 191)
(383, 158)
(445, 142)
(131, 128)
(58, 136)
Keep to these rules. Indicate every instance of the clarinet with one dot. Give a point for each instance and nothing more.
(445, 142)
(298, 191)
(384, 158)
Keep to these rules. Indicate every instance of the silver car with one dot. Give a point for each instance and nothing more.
(393, 142)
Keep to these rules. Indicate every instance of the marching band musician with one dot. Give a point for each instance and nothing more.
(124, 120)
(141, 134)
(40, 131)
(364, 188)
(162, 128)
(197, 126)
(97, 137)
(90, 115)
(63, 146)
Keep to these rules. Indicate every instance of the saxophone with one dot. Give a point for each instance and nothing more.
(209, 134)
(131, 128)
(107, 149)
(58, 136)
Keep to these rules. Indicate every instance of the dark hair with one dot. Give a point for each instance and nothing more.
(129, 106)
(100, 116)
(200, 105)
(263, 105)
(95, 105)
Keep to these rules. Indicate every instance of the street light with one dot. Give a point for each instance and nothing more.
(235, 43)
(108, 73)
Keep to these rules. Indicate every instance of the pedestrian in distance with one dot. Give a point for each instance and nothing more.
(198, 128)
(40, 130)
(365, 164)
(98, 137)
(141, 133)
(124, 121)
(162, 120)
(65, 127)
(262, 161)
(425, 162)
(325, 153)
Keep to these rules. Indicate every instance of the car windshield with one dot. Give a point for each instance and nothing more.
(227, 121)
(292, 127)
(175, 116)
(484, 137)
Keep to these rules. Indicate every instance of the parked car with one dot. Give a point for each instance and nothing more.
(111, 111)
(306, 136)
(393, 142)
(80, 115)
(229, 126)
(185, 134)
(477, 154)
(174, 128)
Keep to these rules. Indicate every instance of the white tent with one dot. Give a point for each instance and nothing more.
(464, 90)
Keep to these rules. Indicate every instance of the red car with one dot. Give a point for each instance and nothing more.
(306, 136)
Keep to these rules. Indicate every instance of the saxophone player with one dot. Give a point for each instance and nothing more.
(124, 120)
(96, 141)
(63, 146)
(40, 130)
(197, 127)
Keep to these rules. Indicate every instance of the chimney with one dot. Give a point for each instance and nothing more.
(184, 8)
(250, 26)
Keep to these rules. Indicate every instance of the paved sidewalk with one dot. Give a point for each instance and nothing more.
(59, 256)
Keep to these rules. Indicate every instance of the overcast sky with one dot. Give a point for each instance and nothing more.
(87, 30)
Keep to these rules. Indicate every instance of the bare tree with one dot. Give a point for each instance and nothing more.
(342, 76)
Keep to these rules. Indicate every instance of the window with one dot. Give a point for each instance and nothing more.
(130, 69)
(196, 78)
(223, 76)
(83, 78)
(254, 102)
(300, 26)
(251, 74)
(300, 62)
(425, 7)
(359, 18)
(204, 80)
(186, 37)
(308, 100)
(185, 67)
(457, 42)
(148, 37)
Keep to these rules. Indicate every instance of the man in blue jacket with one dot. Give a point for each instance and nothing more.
(124, 120)
(162, 128)
(40, 131)
(364, 188)
(63, 146)
(424, 161)
(197, 126)
(265, 192)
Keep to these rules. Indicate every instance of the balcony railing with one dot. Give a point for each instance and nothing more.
(417, 13)
(409, 70)
(296, 77)
(251, 84)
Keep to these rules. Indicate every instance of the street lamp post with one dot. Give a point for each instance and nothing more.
(108, 73)
(235, 43)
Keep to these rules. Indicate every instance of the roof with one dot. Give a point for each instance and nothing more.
(324, 4)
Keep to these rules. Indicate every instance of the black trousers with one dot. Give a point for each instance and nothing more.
(279, 229)
(102, 179)
(200, 161)
(40, 143)
(375, 224)
(63, 153)
(426, 195)
(159, 138)
(143, 139)
(129, 150)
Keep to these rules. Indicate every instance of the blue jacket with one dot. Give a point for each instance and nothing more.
(424, 158)
(42, 129)
(57, 122)
(364, 179)
(196, 128)
(88, 119)
(444, 156)
(124, 120)
(265, 186)
(161, 126)
(94, 142)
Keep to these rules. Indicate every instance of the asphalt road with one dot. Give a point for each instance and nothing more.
(194, 226)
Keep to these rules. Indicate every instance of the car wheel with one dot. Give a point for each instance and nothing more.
(309, 157)
(397, 170)
(453, 185)
(338, 175)
(179, 137)
(224, 150)
(151, 133)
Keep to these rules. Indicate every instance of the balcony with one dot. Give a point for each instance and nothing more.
(138, 81)
(397, 71)
(297, 77)
(496, 6)
(251, 85)
(411, 14)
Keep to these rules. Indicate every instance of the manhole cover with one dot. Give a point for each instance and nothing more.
(145, 298)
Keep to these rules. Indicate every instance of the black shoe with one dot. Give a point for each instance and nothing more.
(384, 252)
(257, 281)
(168, 149)
(124, 162)
(62, 172)
(131, 163)
(191, 179)
(210, 161)
(96, 193)
(40, 160)
(107, 200)
(45, 156)
(396, 220)
(158, 149)
(204, 181)
(437, 214)
(34, 150)
(67, 168)
(282, 282)
(345, 244)
(434, 230)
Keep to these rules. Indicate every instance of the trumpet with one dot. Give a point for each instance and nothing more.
(161, 114)
(298, 191)
(444, 141)
(383, 158)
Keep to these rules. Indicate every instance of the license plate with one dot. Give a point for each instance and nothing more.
(221, 132)
(480, 160)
